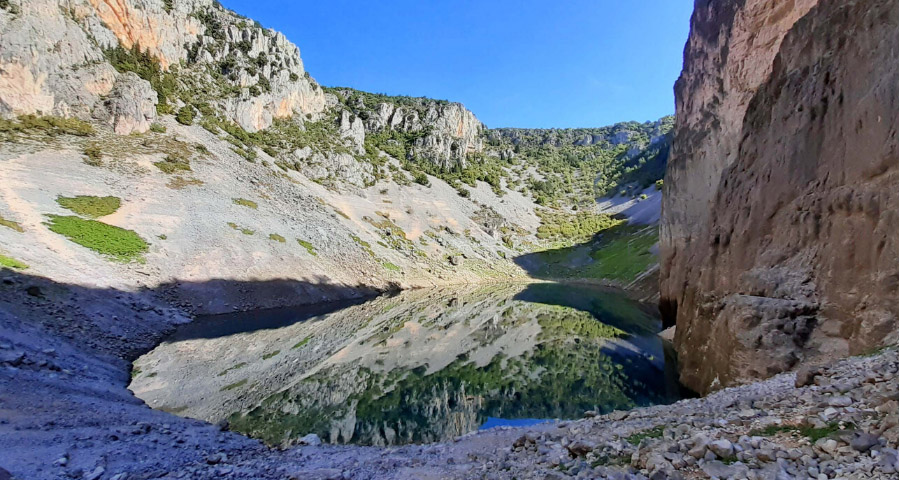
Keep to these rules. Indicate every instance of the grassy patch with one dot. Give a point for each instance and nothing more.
(180, 183)
(10, 262)
(232, 386)
(94, 155)
(308, 246)
(270, 354)
(157, 128)
(117, 243)
(90, 206)
(232, 368)
(655, 432)
(244, 230)
(276, 237)
(812, 433)
(364, 244)
(301, 343)
(47, 125)
(11, 224)
(390, 266)
(573, 228)
(173, 164)
(621, 254)
(245, 203)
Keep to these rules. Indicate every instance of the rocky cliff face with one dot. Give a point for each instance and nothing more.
(55, 60)
(441, 132)
(779, 227)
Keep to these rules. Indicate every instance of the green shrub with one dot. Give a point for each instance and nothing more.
(185, 115)
(146, 66)
(117, 243)
(9, 262)
(157, 128)
(659, 184)
(173, 164)
(390, 266)
(47, 125)
(308, 246)
(90, 206)
(93, 154)
(244, 230)
(244, 203)
(270, 354)
(276, 237)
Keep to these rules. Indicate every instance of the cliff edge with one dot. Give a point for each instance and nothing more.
(779, 226)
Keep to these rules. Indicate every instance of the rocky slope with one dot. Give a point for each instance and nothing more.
(779, 226)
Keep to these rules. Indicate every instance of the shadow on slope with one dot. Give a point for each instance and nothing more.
(618, 255)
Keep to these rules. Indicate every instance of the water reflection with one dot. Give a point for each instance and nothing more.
(416, 367)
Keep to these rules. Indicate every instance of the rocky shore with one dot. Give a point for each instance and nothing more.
(65, 413)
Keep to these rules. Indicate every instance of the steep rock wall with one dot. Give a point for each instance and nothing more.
(779, 227)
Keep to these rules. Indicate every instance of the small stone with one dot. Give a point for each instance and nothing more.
(842, 401)
(312, 440)
(863, 441)
(216, 458)
(94, 474)
(806, 375)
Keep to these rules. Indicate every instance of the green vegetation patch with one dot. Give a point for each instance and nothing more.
(621, 254)
(10, 262)
(114, 242)
(301, 343)
(573, 228)
(655, 432)
(146, 66)
(232, 368)
(47, 125)
(11, 224)
(232, 386)
(173, 164)
(812, 433)
(364, 244)
(245, 203)
(390, 266)
(269, 355)
(308, 246)
(90, 206)
(244, 230)
(180, 183)
(276, 237)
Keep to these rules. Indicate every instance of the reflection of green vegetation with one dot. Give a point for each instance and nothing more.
(564, 375)
(90, 206)
(115, 242)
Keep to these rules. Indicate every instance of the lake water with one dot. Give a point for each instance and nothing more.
(416, 367)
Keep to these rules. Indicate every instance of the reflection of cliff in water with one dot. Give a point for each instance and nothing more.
(426, 366)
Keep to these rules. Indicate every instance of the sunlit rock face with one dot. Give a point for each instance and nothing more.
(778, 233)
(421, 366)
(53, 59)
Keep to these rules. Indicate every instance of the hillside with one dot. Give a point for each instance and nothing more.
(226, 159)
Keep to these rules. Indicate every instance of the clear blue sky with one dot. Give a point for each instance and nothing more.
(523, 63)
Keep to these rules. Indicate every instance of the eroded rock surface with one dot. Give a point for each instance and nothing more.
(778, 234)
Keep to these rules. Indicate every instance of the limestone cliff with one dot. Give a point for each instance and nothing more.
(55, 60)
(779, 227)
